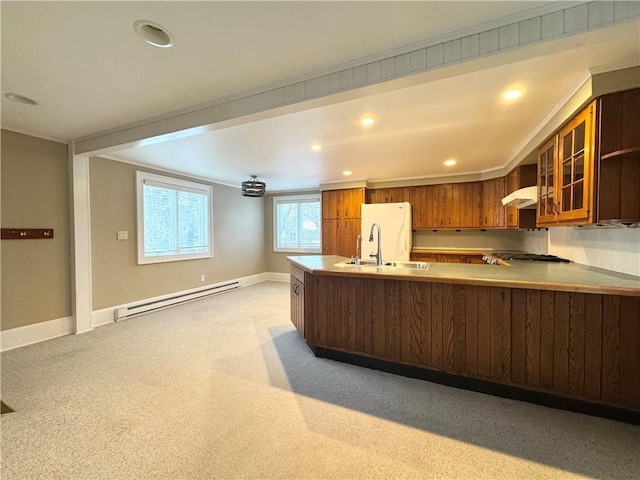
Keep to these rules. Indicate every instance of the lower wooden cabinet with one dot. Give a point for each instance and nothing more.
(475, 258)
(297, 299)
(577, 345)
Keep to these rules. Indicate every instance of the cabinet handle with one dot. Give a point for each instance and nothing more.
(346, 213)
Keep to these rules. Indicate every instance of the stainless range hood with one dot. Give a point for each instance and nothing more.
(526, 197)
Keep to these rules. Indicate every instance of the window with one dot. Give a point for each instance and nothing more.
(174, 219)
(297, 224)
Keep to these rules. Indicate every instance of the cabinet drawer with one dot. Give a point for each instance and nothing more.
(297, 273)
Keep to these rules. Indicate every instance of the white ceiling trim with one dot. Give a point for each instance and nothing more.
(559, 23)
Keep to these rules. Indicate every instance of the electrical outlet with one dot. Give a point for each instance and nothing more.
(202, 278)
(123, 235)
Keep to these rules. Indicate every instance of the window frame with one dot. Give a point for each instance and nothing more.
(302, 198)
(175, 184)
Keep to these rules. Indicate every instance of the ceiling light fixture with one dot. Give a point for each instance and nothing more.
(153, 33)
(14, 97)
(316, 147)
(366, 121)
(512, 94)
(450, 163)
(346, 173)
(253, 187)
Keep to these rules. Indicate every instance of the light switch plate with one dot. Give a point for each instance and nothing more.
(123, 235)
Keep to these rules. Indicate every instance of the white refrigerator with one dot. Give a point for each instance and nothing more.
(395, 230)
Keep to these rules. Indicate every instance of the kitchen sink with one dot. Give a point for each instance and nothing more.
(372, 263)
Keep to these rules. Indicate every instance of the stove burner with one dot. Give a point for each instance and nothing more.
(533, 257)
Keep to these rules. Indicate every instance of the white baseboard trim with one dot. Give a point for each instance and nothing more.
(38, 332)
(278, 277)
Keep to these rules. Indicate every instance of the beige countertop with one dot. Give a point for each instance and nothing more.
(568, 277)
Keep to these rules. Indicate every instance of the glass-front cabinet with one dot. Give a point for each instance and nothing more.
(565, 172)
(546, 167)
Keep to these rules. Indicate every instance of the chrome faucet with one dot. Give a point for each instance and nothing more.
(378, 254)
(356, 260)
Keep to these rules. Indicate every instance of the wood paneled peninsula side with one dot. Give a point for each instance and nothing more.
(557, 334)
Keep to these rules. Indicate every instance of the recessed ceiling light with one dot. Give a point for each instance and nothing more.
(316, 147)
(450, 163)
(153, 33)
(512, 94)
(367, 121)
(14, 97)
(346, 173)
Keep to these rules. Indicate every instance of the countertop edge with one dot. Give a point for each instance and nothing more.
(350, 271)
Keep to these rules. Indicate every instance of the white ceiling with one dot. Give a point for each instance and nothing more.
(89, 72)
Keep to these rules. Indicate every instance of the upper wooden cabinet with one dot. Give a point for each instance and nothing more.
(342, 204)
(388, 195)
(448, 206)
(341, 212)
(493, 212)
(618, 193)
(589, 171)
(566, 172)
(524, 176)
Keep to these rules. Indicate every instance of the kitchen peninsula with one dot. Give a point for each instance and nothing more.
(557, 334)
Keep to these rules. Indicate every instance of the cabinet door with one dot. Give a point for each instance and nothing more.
(574, 168)
(348, 231)
(330, 236)
(388, 195)
(350, 201)
(471, 205)
(342, 203)
(339, 236)
(297, 304)
(493, 212)
(419, 206)
(329, 204)
(512, 212)
(546, 176)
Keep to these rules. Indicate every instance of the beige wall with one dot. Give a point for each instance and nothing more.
(238, 240)
(36, 274)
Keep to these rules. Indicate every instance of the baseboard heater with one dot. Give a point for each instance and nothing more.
(139, 308)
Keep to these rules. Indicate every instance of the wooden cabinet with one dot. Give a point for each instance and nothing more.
(342, 203)
(589, 172)
(447, 257)
(388, 195)
(566, 172)
(618, 193)
(524, 176)
(297, 299)
(493, 212)
(341, 220)
(470, 204)
(446, 206)
(339, 236)
(574, 345)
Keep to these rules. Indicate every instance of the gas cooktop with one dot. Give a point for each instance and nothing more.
(533, 257)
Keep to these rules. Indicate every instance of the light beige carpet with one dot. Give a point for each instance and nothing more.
(225, 388)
